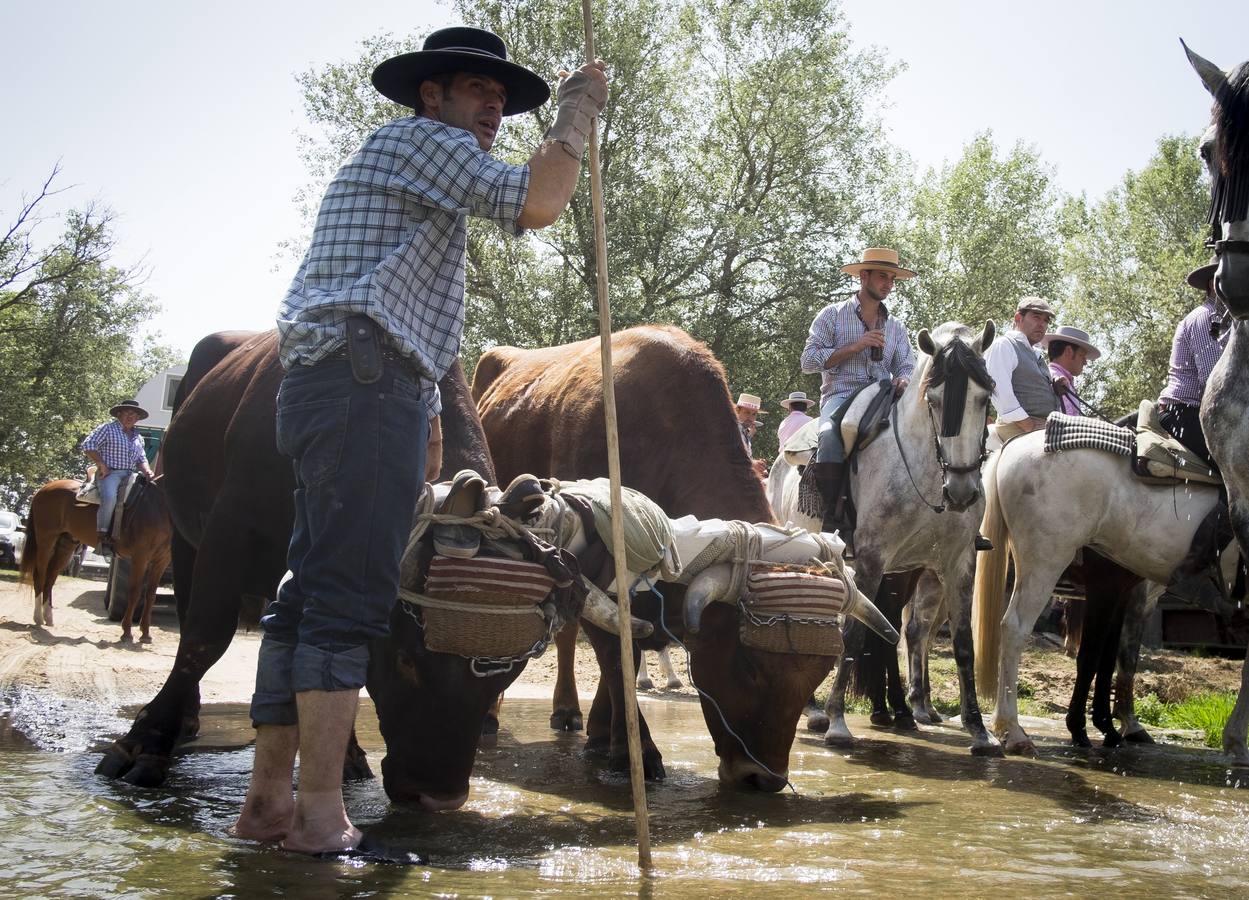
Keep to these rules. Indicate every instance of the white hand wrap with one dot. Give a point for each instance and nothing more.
(580, 100)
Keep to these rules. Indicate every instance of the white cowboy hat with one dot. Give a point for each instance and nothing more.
(1071, 335)
(880, 259)
(795, 397)
(750, 401)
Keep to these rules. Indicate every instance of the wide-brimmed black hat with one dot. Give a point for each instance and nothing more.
(1200, 276)
(129, 404)
(460, 49)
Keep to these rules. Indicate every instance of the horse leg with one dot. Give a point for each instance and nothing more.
(1033, 583)
(1119, 587)
(566, 708)
(867, 579)
(1093, 637)
(897, 590)
(1234, 732)
(644, 682)
(671, 679)
(135, 587)
(155, 569)
(956, 590)
(927, 604)
(1137, 608)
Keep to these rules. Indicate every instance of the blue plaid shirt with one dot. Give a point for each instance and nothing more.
(118, 449)
(838, 325)
(389, 243)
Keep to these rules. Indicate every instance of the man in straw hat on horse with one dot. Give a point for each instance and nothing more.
(117, 450)
(371, 322)
(853, 343)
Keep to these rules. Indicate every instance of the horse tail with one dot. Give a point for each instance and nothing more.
(988, 600)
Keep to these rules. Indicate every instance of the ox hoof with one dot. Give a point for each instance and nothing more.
(489, 725)
(148, 770)
(566, 720)
(1024, 747)
(988, 751)
(116, 762)
(356, 766)
(652, 764)
(1141, 736)
(817, 720)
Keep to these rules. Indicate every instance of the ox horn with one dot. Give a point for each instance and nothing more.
(601, 611)
(708, 586)
(863, 609)
(1211, 75)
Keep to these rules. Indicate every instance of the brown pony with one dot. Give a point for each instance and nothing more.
(59, 523)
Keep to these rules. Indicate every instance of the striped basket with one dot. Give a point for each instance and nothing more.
(789, 609)
(494, 605)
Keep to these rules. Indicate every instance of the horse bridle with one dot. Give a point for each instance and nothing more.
(946, 466)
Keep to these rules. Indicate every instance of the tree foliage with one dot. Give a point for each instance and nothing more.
(67, 318)
(983, 232)
(1127, 257)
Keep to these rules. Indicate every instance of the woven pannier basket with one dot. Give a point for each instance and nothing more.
(791, 610)
(503, 618)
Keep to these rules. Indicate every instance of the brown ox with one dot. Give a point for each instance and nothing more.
(231, 495)
(680, 445)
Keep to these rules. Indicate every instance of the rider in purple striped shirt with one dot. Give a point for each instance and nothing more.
(1199, 342)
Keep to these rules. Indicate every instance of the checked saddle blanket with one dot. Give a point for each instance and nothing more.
(1063, 432)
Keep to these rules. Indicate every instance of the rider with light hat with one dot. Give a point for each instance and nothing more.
(117, 450)
(853, 343)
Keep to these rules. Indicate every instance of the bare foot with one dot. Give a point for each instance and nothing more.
(313, 843)
(255, 824)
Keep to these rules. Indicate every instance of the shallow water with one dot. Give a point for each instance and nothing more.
(896, 813)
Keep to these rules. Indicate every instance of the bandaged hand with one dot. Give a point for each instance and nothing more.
(582, 95)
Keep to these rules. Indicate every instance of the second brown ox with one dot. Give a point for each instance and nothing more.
(542, 411)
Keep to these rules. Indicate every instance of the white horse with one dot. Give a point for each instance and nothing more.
(1225, 406)
(918, 495)
(1047, 506)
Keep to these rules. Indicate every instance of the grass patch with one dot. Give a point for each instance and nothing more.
(1206, 712)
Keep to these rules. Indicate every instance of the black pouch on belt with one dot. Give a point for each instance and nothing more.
(364, 349)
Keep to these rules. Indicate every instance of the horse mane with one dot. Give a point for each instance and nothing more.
(1229, 195)
(953, 365)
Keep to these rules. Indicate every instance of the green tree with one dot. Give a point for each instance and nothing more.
(67, 319)
(983, 232)
(1127, 256)
(741, 164)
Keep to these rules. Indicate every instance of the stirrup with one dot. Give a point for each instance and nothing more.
(466, 498)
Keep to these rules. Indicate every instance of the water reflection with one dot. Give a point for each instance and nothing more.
(892, 813)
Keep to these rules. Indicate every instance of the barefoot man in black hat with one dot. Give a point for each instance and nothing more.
(369, 325)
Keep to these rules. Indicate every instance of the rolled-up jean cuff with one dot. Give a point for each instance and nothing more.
(325, 670)
(273, 703)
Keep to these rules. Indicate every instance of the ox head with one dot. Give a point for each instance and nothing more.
(1227, 157)
(956, 387)
(758, 695)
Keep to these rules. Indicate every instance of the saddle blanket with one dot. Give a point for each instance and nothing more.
(1063, 432)
(526, 582)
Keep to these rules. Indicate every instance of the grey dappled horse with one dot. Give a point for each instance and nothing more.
(918, 493)
(1225, 406)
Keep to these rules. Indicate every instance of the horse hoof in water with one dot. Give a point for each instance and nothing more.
(1081, 739)
(356, 764)
(882, 717)
(992, 751)
(116, 762)
(1112, 738)
(839, 737)
(644, 684)
(652, 764)
(904, 721)
(817, 720)
(1140, 736)
(675, 684)
(566, 720)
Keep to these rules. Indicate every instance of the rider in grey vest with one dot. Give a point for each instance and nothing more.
(1024, 393)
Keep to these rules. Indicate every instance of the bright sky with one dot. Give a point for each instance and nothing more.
(183, 119)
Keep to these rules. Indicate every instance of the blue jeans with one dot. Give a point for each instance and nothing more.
(359, 455)
(830, 448)
(108, 497)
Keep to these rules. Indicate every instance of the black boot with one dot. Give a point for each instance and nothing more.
(831, 477)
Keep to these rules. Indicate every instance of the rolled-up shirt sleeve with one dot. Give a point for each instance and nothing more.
(821, 342)
(1001, 360)
(444, 167)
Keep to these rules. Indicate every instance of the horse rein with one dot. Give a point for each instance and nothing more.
(946, 467)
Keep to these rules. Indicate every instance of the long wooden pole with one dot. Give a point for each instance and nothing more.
(636, 775)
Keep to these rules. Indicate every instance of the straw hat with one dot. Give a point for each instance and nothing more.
(795, 397)
(880, 259)
(1071, 335)
(750, 401)
(1200, 276)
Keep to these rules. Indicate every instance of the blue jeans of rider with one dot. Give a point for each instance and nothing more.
(830, 448)
(359, 456)
(108, 497)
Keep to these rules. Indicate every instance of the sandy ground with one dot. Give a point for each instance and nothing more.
(81, 658)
